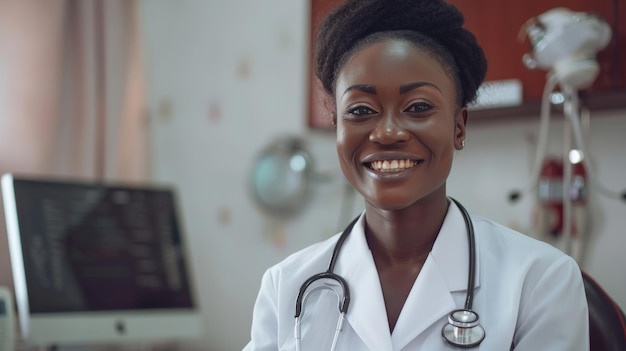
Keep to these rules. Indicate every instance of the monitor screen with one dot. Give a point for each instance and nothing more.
(96, 262)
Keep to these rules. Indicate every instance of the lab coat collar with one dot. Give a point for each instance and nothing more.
(430, 298)
(445, 271)
(367, 314)
(451, 251)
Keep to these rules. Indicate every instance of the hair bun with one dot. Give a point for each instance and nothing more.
(439, 20)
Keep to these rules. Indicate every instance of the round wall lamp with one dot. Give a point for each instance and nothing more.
(281, 177)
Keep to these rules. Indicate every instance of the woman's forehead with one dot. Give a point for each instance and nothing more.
(392, 60)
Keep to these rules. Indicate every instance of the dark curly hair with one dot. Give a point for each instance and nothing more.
(433, 25)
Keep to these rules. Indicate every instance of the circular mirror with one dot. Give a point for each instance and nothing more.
(281, 177)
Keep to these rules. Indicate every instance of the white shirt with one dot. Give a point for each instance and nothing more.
(528, 294)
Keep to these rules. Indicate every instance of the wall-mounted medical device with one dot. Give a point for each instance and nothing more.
(281, 176)
(566, 42)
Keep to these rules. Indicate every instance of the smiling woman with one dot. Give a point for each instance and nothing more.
(408, 112)
(414, 270)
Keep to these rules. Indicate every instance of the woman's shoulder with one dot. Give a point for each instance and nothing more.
(508, 255)
(508, 244)
(313, 258)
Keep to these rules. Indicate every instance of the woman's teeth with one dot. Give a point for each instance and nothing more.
(392, 165)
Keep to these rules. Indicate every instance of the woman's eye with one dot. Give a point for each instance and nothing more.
(419, 107)
(360, 111)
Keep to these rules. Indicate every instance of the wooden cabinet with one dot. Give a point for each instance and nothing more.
(497, 25)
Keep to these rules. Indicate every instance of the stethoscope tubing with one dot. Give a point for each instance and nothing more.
(471, 241)
(344, 301)
(329, 274)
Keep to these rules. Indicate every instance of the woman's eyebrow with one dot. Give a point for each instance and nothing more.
(405, 88)
(366, 88)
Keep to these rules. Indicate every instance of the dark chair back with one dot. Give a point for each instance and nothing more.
(607, 323)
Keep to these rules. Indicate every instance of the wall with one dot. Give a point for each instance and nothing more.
(226, 77)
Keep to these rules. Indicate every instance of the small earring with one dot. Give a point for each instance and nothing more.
(462, 145)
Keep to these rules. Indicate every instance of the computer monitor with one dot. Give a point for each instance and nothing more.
(98, 263)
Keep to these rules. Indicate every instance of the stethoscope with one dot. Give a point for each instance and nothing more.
(462, 329)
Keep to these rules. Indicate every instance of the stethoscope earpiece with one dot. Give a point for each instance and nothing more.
(462, 329)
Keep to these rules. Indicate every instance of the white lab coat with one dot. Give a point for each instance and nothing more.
(529, 295)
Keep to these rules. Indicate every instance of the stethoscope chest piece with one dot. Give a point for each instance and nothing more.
(462, 329)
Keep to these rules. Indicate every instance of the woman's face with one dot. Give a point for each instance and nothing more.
(398, 123)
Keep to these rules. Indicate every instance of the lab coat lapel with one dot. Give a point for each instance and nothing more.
(428, 301)
(367, 314)
(444, 272)
(451, 252)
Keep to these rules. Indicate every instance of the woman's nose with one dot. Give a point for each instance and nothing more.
(389, 131)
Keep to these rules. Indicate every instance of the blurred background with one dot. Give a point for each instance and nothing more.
(190, 92)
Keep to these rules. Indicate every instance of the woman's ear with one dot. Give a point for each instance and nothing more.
(459, 131)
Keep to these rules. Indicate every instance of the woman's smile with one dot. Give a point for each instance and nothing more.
(392, 166)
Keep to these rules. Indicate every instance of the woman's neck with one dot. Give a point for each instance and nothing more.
(407, 235)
